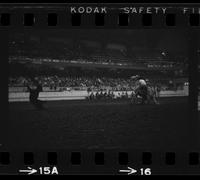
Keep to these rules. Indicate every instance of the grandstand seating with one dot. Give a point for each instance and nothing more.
(34, 50)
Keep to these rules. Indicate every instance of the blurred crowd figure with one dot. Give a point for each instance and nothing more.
(34, 88)
(109, 95)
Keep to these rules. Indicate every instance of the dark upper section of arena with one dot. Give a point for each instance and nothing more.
(137, 49)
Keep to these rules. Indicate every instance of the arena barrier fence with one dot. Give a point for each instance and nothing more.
(78, 95)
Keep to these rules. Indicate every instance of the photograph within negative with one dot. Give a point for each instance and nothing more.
(98, 88)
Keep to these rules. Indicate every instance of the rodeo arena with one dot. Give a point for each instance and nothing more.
(96, 89)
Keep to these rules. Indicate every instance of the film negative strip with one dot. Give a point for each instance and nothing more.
(108, 89)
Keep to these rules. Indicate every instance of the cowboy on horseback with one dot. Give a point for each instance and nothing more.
(144, 90)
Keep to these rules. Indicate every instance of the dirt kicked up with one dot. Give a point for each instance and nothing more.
(90, 125)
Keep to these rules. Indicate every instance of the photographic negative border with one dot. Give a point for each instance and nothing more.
(22, 17)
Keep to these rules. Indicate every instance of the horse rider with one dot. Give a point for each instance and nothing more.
(142, 86)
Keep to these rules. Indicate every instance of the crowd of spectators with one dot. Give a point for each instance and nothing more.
(55, 82)
(60, 83)
(107, 95)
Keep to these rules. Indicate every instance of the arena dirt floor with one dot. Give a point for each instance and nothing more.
(99, 125)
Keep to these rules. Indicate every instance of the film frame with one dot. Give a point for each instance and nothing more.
(101, 161)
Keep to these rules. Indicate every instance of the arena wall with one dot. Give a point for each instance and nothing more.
(77, 95)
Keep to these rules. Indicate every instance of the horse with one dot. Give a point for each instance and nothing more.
(152, 95)
(147, 95)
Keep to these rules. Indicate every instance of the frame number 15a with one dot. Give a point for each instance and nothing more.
(48, 170)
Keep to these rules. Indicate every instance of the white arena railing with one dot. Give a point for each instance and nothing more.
(14, 96)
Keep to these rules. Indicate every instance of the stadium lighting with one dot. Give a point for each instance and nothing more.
(163, 53)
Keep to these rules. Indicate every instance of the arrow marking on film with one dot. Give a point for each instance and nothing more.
(29, 171)
(129, 170)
